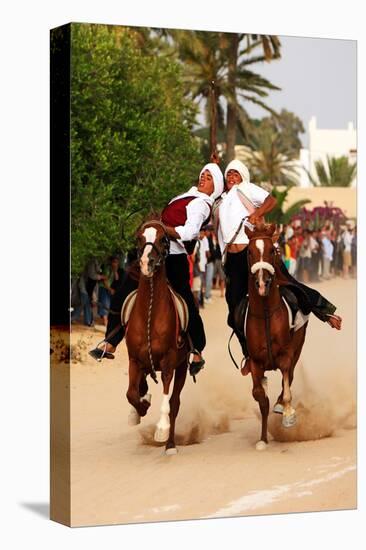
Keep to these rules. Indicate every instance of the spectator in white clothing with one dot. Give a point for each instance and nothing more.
(327, 250)
(347, 238)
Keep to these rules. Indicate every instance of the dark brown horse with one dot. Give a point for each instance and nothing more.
(152, 337)
(272, 344)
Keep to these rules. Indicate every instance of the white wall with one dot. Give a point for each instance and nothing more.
(322, 142)
(335, 143)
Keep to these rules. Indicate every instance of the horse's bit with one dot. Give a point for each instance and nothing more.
(165, 241)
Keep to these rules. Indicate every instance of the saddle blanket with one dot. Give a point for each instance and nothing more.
(295, 320)
(179, 304)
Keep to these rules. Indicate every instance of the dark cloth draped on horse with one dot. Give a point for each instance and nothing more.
(236, 269)
(177, 271)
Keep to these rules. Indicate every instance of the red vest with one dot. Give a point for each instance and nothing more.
(175, 214)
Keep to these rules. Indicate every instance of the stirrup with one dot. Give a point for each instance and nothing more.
(195, 366)
(98, 354)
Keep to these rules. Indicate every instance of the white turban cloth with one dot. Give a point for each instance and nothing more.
(217, 176)
(239, 167)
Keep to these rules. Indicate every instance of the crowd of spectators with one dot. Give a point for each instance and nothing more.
(310, 253)
(206, 267)
(313, 254)
(91, 292)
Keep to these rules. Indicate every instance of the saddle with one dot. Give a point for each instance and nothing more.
(180, 306)
(296, 316)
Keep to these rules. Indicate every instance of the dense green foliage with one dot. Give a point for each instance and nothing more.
(132, 147)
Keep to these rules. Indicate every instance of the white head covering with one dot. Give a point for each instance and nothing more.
(239, 167)
(217, 176)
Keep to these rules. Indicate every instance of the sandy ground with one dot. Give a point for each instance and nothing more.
(119, 475)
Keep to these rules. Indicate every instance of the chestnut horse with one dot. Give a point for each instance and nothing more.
(272, 344)
(152, 336)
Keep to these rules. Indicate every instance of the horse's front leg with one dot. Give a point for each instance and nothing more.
(143, 389)
(260, 395)
(296, 347)
(163, 426)
(179, 380)
(279, 405)
(139, 406)
(286, 365)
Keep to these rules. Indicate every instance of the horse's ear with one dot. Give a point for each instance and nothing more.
(250, 233)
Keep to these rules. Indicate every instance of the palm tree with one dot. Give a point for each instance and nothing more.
(243, 83)
(279, 214)
(221, 58)
(267, 158)
(336, 172)
(201, 55)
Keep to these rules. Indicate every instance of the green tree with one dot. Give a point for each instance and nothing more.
(243, 84)
(225, 59)
(203, 63)
(132, 147)
(336, 172)
(279, 214)
(271, 158)
(289, 127)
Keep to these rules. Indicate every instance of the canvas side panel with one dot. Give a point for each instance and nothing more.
(60, 274)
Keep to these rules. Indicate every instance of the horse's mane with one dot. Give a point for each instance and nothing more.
(261, 229)
(153, 215)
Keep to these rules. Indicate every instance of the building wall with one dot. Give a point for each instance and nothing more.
(335, 143)
(322, 142)
(343, 197)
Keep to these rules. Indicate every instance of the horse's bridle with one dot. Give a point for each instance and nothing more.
(271, 271)
(162, 254)
(267, 312)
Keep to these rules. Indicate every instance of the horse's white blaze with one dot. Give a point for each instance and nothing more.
(150, 236)
(262, 286)
(259, 243)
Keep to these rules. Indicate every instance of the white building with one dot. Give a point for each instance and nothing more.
(323, 142)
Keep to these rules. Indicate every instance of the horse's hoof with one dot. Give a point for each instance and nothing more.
(161, 435)
(289, 420)
(261, 445)
(134, 418)
(171, 452)
(278, 408)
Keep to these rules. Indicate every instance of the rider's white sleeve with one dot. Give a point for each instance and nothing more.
(197, 212)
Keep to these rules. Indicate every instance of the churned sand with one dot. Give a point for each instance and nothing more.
(120, 475)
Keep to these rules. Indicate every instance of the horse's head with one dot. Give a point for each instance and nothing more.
(152, 246)
(261, 256)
